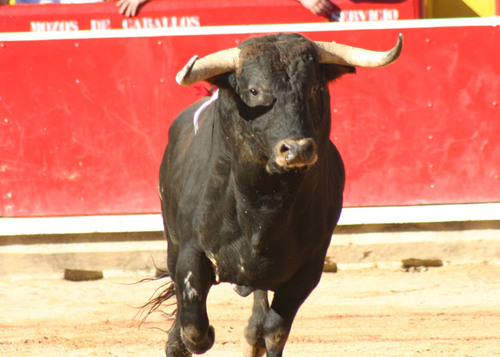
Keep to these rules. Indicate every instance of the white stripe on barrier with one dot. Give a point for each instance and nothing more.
(421, 214)
(250, 29)
(81, 224)
(88, 247)
(153, 222)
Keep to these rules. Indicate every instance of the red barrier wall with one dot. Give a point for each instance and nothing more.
(84, 118)
(192, 13)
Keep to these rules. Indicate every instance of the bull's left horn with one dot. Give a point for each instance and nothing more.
(336, 53)
(209, 66)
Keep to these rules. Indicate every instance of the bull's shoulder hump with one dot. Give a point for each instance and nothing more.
(182, 130)
(185, 118)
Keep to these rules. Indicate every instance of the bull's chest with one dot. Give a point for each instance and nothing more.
(255, 241)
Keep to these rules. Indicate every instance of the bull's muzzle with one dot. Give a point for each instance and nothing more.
(296, 153)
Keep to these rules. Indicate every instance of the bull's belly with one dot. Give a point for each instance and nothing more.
(249, 272)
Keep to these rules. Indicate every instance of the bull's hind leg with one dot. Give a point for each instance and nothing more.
(194, 277)
(254, 344)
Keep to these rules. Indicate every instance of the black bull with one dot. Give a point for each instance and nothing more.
(252, 198)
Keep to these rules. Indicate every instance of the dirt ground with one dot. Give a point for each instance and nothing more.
(449, 311)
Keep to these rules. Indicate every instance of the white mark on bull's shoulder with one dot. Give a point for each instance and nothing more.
(189, 292)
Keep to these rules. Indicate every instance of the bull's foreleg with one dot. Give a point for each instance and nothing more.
(194, 277)
(254, 344)
(286, 302)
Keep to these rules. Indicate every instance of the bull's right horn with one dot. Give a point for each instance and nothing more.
(336, 53)
(209, 66)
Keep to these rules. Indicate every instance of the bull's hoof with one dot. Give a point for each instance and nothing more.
(194, 342)
(177, 349)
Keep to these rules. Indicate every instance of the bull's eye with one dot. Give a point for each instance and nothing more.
(253, 91)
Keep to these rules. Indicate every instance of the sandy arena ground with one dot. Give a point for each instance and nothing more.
(448, 311)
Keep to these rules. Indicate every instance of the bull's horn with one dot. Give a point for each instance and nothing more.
(335, 53)
(209, 66)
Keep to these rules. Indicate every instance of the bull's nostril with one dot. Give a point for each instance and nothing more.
(284, 148)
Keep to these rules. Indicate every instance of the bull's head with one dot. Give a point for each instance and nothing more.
(280, 85)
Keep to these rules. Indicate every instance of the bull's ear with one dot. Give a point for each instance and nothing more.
(334, 71)
(222, 80)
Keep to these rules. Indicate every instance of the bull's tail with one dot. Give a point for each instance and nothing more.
(161, 295)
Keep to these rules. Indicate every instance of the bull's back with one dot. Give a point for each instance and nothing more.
(181, 134)
(184, 167)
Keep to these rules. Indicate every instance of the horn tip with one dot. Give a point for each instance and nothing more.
(396, 51)
(182, 77)
(400, 39)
